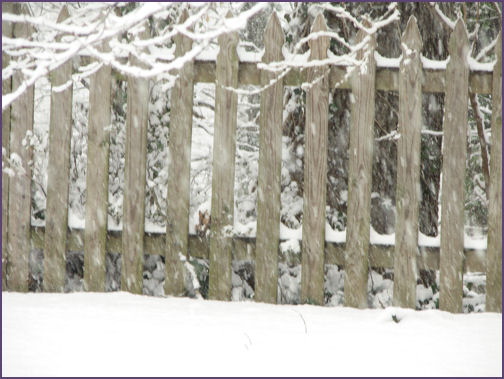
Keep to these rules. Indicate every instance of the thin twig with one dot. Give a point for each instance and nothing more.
(304, 322)
(156, 201)
(435, 11)
(496, 5)
(481, 137)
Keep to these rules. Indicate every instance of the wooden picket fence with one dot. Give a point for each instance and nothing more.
(357, 255)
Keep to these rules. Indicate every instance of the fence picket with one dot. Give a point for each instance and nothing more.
(453, 171)
(222, 247)
(315, 169)
(408, 168)
(7, 28)
(179, 171)
(223, 169)
(18, 239)
(58, 175)
(270, 160)
(134, 180)
(494, 249)
(95, 234)
(359, 176)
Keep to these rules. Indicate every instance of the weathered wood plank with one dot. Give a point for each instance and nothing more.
(408, 168)
(243, 248)
(269, 178)
(494, 253)
(7, 28)
(134, 180)
(315, 171)
(179, 170)
(359, 176)
(97, 178)
(58, 174)
(223, 169)
(18, 238)
(453, 171)
(387, 79)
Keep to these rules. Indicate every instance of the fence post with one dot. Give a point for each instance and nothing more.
(494, 250)
(58, 169)
(270, 161)
(359, 175)
(223, 169)
(453, 172)
(408, 168)
(18, 238)
(177, 210)
(315, 171)
(7, 28)
(134, 180)
(95, 233)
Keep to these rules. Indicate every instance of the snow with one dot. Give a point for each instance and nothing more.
(429, 64)
(249, 230)
(335, 236)
(119, 334)
(252, 334)
(249, 56)
(443, 17)
(382, 61)
(478, 66)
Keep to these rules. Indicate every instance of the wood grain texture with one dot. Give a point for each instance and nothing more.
(244, 248)
(315, 171)
(408, 168)
(179, 170)
(18, 238)
(97, 179)
(494, 252)
(58, 175)
(387, 78)
(134, 180)
(453, 171)
(223, 168)
(7, 28)
(269, 176)
(359, 176)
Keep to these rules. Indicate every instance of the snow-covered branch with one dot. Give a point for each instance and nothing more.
(40, 53)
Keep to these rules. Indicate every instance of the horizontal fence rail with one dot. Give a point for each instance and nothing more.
(243, 248)
(410, 76)
(387, 76)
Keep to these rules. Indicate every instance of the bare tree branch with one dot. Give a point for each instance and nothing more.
(481, 136)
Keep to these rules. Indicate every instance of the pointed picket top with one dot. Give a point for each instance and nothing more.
(25, 9)
(361, 34)
(233, 36)
(459, 41)
(182, 43)
(319, 46)
(273, 39)
(184, 16)
(411, 36)
(63, 15)
(23, 29)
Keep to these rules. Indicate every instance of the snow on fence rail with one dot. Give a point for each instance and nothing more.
(410, 77)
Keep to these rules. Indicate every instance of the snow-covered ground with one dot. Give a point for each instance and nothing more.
(119, 334)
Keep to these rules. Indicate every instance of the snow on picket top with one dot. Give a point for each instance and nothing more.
(56, 334)
(249, 229)
(293, 59)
